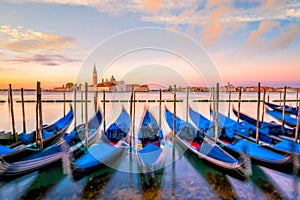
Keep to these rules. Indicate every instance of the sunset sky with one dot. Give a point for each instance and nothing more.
(248, 40)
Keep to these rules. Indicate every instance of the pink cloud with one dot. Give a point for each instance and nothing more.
(215, 27)
(153, 5)
(257, 43)
(263, 28)
(272, 4)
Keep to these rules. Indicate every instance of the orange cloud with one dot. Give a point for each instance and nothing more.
(16, 39)
(153, 5)
(214, 27)
(211, 32)
(271, 4)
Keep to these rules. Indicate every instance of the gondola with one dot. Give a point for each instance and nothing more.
(288, 109)
(266, 128)
(189, 138)
(107, 151)
(261, 155)
(51, 135)
(282, 145)
(7, 138)
(41, 160)
(150, 154)
(289, 119)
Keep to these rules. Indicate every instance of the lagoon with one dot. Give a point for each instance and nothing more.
(183, 177)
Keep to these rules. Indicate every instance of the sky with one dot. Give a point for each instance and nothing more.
(51, 41)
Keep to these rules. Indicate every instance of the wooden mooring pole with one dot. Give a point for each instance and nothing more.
(187, 105)
(239, 104)
(131, 123)
(75, 102)
(297, 98)
(160, 98)
(258, 114)
(217, 113)
(81, 102)
(133, 120)
(174, 120)
(264, 106)
(297, 126)
(229, 103)
(104, 111)
(39, 119)
(283, 109)
(23, 110)
(86, 116)
(12, 113)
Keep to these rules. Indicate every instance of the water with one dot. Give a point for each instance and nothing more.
(186, 178)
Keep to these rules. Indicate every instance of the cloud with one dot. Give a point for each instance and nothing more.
(163, 10)
(263, 28)
(153, 5)
(120, 7)
(19, 40)
(212, 31)
(215, 18)
(170, 12)
(48, 60)
(293, 13)
(286, 37)
(272, 4)
(257, 43)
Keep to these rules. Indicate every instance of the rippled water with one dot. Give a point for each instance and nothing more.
(186, 178)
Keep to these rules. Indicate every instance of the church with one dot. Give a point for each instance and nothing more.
(112, 85)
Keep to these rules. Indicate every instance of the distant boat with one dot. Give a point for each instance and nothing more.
(107, 151)
(150, 154)
(188, 137)
(41, 160)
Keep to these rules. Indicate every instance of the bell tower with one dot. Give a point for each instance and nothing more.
(95, 76)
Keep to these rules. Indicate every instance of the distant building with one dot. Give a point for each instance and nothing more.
(200, 89)
(250, 89)
(228, 88)
(112, 85)
(62, 89)
(141, 88)
(107, 85)
(137, 88)
(121, 87)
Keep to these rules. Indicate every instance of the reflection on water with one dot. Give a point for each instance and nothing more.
(186, 178)
(217, 181)
(44, 182)
(261, 180)
(16, 188)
